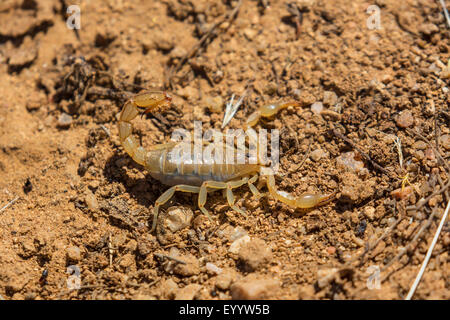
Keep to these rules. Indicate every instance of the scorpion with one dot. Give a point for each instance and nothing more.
(203, 177)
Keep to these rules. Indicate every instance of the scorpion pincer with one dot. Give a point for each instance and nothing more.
(201, 177)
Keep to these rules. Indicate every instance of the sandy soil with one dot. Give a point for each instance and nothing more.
(84, 208)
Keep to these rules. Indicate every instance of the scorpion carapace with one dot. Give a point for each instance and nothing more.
(202, 176)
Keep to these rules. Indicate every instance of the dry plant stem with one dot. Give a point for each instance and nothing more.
(435, 193)
(437, 132)
(438, 155)
(109, 93)
(411, 243)
(375, 244)
(447, 17)
(447, 198)
(369, 247)
(163, 256)
(9, 204)
(363, 154)
(228, 17)
(108, 133)
(428, 256)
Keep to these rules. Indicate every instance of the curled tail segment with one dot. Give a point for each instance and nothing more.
(141, 103)
(304, 201)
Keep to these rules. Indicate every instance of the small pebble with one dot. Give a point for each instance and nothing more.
(250, 34)
(445, 73)
(317, 154)
(178, 218)
(255, 254)
(238, 243)
(271, 88)
(317, 107)
(74, 254)
(33, 105)
(306, 98)
(405, 119)
(391, 221)
(430, 107)
(213, 269)
(225, 279)
(445, 141)
(237, 233)
(188, 92)
(164, 43)
(91, 200)
(126, 261)
(386, 78)
(188, 292)
(354, 189)
(348, 161)
(251, 288)
(428, 28)
(433, 68)
(400, 194)
(419, 155)
(329, 98)
(178, 52)
(326, 276)
(433, 201)
(429, 154)
(169, 288)
(214, 104)
(419, 145)
(369, 212)
(192, 266)
(22, 57)
(297, 94)
(64, 121)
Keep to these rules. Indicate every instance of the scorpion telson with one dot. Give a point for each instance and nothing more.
(204, 176)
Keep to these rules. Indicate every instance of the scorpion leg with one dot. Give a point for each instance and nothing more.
(166, 197)
(230, 197)
(252, 187)
(204, 192)
(228, 186)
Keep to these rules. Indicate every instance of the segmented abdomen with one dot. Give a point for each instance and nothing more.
(191, 170)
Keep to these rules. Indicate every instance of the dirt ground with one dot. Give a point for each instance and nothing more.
(80, 209)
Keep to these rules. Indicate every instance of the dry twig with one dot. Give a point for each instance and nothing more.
(447, 17)
(9, 204)
(227, 17)
(428, 256)
(164, 256)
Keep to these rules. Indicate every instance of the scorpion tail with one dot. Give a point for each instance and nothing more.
(304, 201)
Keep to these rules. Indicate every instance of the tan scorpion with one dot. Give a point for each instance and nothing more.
(202, 177)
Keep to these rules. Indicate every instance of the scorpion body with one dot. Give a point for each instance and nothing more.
(200, 176)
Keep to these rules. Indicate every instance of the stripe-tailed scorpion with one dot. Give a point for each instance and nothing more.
(201, 177)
